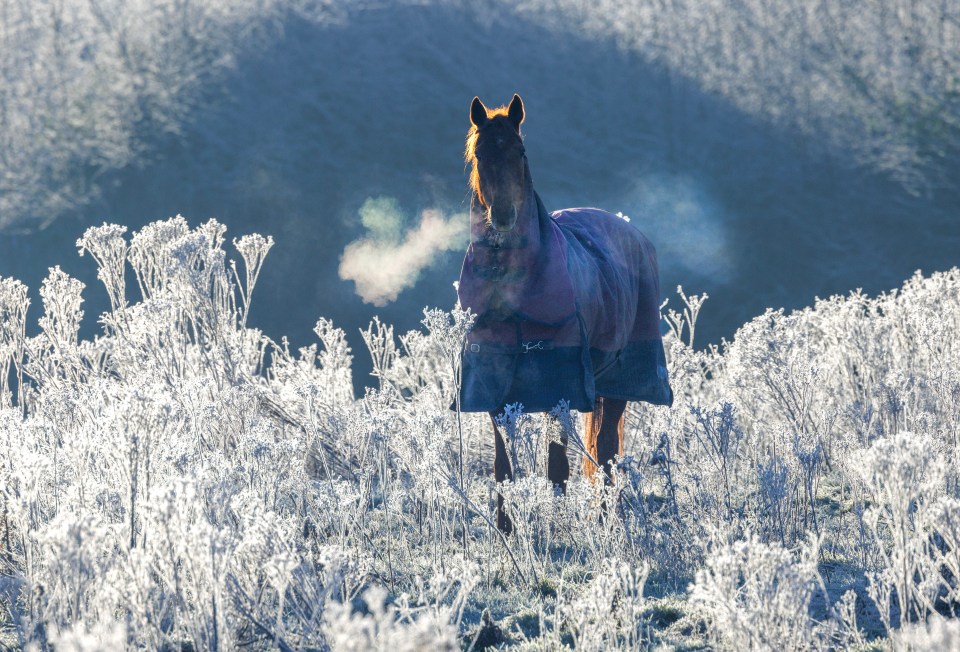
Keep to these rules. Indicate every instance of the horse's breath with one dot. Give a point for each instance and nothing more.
(567, 303)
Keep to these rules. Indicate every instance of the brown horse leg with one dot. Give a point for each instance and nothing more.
(591, 428)
(501, 472)
(604, 435)
(558, 467)
(610, 439)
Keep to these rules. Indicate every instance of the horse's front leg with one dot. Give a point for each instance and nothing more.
(604, 435)
(558, 467)
(501, 472)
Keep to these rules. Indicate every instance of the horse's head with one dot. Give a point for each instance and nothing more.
(495, 149)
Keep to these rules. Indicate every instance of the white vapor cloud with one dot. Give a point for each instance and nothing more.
(389, 258)
(687, 226)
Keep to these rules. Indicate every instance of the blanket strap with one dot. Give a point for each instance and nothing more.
(522, 347)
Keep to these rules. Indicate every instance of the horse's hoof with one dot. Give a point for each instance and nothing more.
(504, 524)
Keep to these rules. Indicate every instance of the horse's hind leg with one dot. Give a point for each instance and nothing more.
(501, 472)
(603, 429)
(558, 467)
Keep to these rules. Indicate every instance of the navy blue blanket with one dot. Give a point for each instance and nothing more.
(568, 307)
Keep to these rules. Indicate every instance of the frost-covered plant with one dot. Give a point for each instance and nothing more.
(904, 475)
(423, 360)
(942, 521)
(13, 323)
(777, 499)
(98, 638)
(384, 630)
(758, 595)
(720, 437)
(523, 438)
(107, 246)
(609, 612)
(937, 633)
(427, 619)
(253, 248)
(184, 481)
(60, 323)
(678, 321)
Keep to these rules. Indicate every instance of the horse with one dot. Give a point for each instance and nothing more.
(567, 305)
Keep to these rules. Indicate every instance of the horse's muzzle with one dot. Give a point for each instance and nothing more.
(499, 223)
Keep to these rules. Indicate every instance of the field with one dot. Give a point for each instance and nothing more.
(183, 482)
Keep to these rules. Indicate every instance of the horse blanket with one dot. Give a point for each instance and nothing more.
(568, 307)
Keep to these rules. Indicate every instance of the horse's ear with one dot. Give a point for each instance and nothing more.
(515, 111)
(478, 113)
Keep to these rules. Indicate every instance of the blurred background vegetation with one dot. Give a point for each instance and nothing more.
(774, 150)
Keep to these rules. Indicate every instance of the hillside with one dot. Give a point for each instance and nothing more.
(773, 151)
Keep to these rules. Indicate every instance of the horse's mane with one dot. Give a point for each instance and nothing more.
(470, 153)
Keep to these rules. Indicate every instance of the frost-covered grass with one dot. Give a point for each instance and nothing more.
(184, 482)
